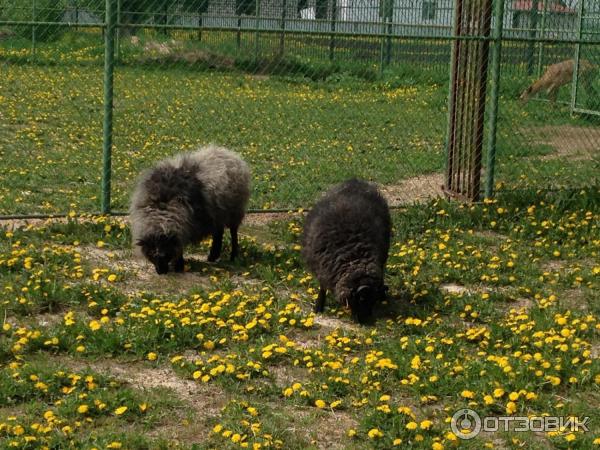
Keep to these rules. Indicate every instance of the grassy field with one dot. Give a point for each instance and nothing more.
(492, 307)
(300, 122)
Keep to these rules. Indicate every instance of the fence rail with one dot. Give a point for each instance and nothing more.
(403, 51)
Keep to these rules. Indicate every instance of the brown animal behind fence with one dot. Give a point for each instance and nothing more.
(559, 74)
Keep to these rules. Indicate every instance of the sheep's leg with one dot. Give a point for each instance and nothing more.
(234, 242)
(179, 264)
(320, 305)
(217, 244)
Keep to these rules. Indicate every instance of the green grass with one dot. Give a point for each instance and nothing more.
(302, 123)
(230, 356)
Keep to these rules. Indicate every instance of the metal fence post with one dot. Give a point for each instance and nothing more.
(33, 28)
(532, 32)
(389, 17)
(282, 35)
(575, 84)
(386, 8)
(257, 48)
(238, 34)
(382, 45)
(490, 167)
(118, 31)
(332, 36)
(109, 55)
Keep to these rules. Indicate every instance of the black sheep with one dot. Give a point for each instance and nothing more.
(345, 244)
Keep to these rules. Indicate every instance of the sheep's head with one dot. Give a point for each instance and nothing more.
(160, 250)
(362, 296)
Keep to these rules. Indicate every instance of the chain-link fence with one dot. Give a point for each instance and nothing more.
(308, 91)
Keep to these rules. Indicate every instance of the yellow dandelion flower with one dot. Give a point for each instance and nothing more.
(426, 424)
(320, 403)
(511, 408)
(374, 433)
(467, 394)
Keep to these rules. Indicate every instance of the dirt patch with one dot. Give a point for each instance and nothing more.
(520, 304)
(574, 299)
(416, 189)
(491, 235)
(452, 288)
(553, 265)
(285, 376)
(569, 142)
(141, 274)
(48, 319)
(323, 429)
(331, 323)
(260, 219)
(332, 428)
(205, 400)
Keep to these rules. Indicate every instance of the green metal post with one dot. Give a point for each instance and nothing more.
(574, 86)
(389, 15)
(532, 32)
(453, 75)
(109, 55)
(382, 45)
(257, 48)
(332, 36)
(282, 35)
(493, 117)
(118, 31)
(33, 28)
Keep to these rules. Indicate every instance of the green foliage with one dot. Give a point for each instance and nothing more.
(44, 11)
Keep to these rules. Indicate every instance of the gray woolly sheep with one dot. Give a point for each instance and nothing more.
(345, 244)
(186, 198)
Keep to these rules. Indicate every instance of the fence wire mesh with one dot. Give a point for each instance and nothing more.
(308, 91)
